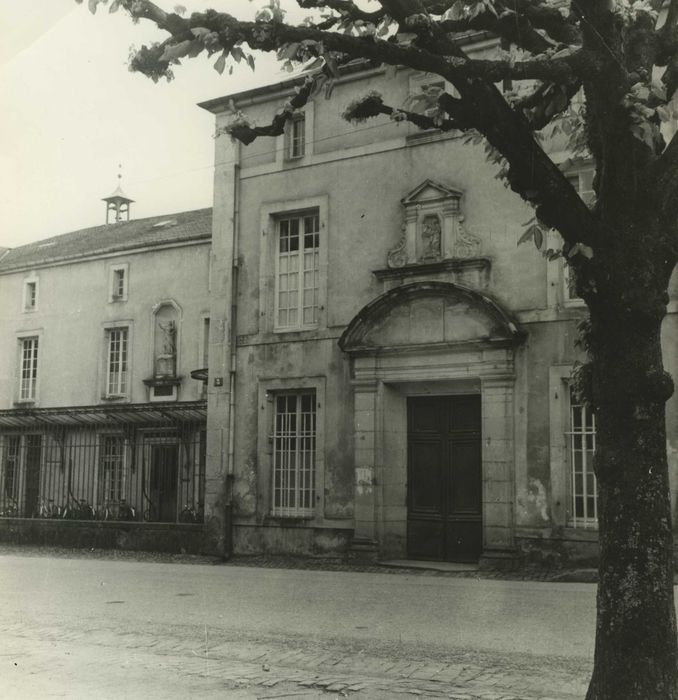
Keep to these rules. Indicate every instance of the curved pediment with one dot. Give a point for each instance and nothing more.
(428, 313)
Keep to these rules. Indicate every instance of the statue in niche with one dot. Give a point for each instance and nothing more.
(166, 349)
(431, 238)
(169, 340)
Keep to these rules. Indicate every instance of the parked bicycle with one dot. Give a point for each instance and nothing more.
(79, 510)
(189, 515)
(47, 509)
(126, 511)
(9, 509)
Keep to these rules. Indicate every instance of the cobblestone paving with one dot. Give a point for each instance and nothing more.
(51, 661)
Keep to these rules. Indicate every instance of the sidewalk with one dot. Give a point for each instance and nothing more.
(398, 567)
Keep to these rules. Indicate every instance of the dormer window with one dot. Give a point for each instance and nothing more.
(118, 283)
(31, 295)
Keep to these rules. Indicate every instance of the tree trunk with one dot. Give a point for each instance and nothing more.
(636, 655)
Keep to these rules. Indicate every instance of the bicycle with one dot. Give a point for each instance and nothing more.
(81, 511)
(189, 515)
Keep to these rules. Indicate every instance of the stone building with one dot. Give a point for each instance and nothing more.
(99, 416)
(389, 372)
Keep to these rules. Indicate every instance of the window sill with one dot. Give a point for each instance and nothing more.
(574, 304)
(25, 403)
(115, 399)
(297, 329)
(290, 520)
(588, 531)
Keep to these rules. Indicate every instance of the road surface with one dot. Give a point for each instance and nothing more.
(92, 628)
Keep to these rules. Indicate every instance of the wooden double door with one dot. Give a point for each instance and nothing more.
(444, 478)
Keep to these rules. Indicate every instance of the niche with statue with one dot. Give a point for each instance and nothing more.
(164, 382)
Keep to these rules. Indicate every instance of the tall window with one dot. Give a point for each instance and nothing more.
(113, 468)
(581, 447)
(118, 282)
(29, 369)
(582, 181)
(11, 476)
(31, 295)
(298, 271)
(297, 137)
(205, 342)
(294, 438)
(116, 384)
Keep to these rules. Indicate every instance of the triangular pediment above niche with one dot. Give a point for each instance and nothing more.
(430, 191)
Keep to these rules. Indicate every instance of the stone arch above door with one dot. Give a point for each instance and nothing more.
(428, 313)
(429, 339)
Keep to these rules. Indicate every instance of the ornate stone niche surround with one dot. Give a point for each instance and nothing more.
(429, 338)
(424, 240)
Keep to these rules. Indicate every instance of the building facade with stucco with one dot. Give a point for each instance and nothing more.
(389, 373)
(100, 419)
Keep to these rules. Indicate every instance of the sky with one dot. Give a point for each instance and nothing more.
(73, 112)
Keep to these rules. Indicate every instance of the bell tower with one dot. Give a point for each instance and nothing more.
(118, 202)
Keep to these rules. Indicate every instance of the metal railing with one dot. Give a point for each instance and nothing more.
(126, 472)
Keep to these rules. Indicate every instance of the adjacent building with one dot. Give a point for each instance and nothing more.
(99, 415)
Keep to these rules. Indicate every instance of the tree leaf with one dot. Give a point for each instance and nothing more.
(538, 237)
(92, 4)
(220, 63)
(238, 54)
(528, 235)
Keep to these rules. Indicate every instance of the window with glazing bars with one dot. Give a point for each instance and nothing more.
(29, 369)
(113, 468)
(582, 445)
(11, 475)
(116, 384)
(583, 183)
(294, 439)
(298, 271)
(297, 137)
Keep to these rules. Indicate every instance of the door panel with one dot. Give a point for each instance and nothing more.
(465, 486)
(33, 465)
(444, 517)
(425, 495)
(163, 483)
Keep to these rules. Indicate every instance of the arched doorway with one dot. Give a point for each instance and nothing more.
(433, 376)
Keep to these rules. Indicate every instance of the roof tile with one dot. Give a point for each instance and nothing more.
(110, 238)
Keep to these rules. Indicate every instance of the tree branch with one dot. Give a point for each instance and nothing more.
(533, 175)
(346, 8)
(373, 105)
(546, 102)
(269, 36)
